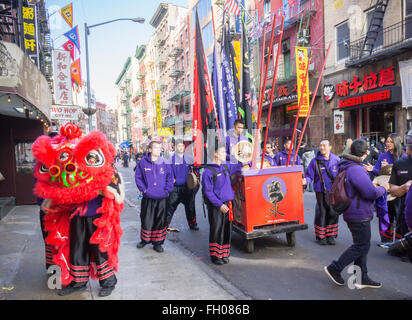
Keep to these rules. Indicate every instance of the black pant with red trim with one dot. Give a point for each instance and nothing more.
(220, 235)
(47, 248)
(182, 194)
(153, 219)
(326, 221)
(81, 253)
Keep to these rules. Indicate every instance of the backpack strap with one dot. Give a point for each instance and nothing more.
(320, 174)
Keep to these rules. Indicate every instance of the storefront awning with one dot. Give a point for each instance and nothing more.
(24, 91)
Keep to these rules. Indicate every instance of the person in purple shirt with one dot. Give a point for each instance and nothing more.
(218, 193)
(358, 216)
(268, 154)
(233, 137)
(394, 153)
(181, 163)
(322, 171)
(154, 178)
(282, 157)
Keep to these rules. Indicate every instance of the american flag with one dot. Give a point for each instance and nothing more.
(232, 7)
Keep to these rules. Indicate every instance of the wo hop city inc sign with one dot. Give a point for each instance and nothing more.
(66, 113)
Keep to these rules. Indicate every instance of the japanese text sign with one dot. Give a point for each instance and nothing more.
(62, 77)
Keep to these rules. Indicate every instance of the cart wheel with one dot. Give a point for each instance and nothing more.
(291, 238)
(250, 246)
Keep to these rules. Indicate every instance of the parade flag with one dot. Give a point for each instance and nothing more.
(217, 88)
(73, 36)
(229, 99)
(76, 73)
(303, 88)
(69, 46)
(203, 108)
(67, 14)
(231, 54)
(232, 7)
(246, 94)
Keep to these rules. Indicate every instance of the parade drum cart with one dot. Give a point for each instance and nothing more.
(268, 201)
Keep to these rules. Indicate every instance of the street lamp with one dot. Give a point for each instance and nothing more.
(89, 111)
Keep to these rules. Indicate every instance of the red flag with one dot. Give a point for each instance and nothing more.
(204, 116)
(76, 73)
(69, 46)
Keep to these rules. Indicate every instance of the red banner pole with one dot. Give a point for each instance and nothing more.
(262, 91)
(297, 115)
(313, 98)
(272, 91)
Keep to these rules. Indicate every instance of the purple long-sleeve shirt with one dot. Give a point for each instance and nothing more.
(220, 191)
(358, 181)
(154, 179)
(312, 173)
(408, 208)
(384, 159)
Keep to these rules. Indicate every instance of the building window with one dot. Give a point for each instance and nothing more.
(286, 58)
(266, 7)
(408, 19)
(342, 41)
(379, 39)
(207, 35)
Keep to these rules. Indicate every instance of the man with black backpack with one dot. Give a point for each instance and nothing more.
(322, 171)
(358, 214)
(218, 194)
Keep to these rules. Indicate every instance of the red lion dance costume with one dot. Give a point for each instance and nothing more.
(84, 197)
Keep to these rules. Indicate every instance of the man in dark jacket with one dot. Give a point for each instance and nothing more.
(322, 170)
(154, 178)
(181, 162)
(358, 216)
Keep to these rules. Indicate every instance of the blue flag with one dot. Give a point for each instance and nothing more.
(229, 99)
(73, 35)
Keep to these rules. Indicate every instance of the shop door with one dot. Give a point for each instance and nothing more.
(24, 173)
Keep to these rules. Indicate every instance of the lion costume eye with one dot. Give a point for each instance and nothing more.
(43, 169)
(95, 158)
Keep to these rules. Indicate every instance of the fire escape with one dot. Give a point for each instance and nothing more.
(397, 38)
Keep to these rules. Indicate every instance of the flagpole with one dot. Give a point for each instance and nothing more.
(256, 139)
(297, 115)
(313, 98)
(272, 91)
(219, 76)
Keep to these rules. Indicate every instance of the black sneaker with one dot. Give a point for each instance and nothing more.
(105, 291)
(368, 283)
(70, 289)
(330, 241)
(334, 275)
(225, 260)
(194, 227)
(158, 248)
(141, 244)
(322, 242)
(217, 260)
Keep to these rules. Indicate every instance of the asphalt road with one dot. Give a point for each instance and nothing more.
(276, 271)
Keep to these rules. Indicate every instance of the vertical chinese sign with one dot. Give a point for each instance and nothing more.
(62, 77)
(30, 34)
(158, 110)
(303, 88)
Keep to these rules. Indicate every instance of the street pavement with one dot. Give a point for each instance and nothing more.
(184, 271)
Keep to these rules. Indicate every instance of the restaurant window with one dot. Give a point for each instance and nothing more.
(24, 158)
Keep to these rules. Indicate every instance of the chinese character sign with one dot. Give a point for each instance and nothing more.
(62, 77)
(303, 88)
(158, 110)
(29, 28)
